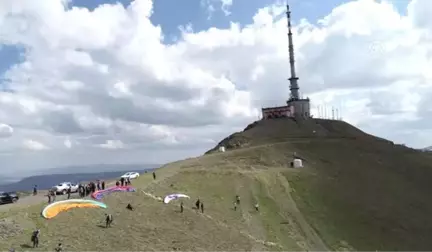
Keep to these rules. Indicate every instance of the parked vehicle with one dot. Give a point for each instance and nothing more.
(130, 175)
(63, 187)
(8, 197)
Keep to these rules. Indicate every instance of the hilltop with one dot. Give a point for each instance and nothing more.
(356, 192)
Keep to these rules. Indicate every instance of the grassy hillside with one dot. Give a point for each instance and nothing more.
(356, 192)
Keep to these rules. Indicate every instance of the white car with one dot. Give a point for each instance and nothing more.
(63, 187)
(130, 175)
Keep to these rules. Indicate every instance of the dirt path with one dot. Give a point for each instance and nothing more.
(30, 200)
(312, 237)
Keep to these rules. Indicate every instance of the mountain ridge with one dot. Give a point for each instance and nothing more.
(355, 192)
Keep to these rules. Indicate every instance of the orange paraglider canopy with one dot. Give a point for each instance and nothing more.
(55, 208)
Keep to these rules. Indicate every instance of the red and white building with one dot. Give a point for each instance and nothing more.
(277, 112)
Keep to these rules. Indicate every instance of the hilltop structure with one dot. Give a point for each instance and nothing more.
(296, 106)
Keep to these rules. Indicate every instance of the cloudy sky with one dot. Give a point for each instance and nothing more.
(89, 82)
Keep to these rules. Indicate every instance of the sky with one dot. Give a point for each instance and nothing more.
(91, 82)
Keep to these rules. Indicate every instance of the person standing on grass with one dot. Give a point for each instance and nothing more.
(93, 187)
(49, 196)
(103, 185)
(35, 190)
(122, 181)
(98, 185)
(53, 195)
(108, 220)
(257, 207)
(154, 175)
(197, 204)
(202, 207)
(35, 238)
(238, 200)
(69, 191)
(181, 207)
(82, 191)
(235, 206)
(59, 248)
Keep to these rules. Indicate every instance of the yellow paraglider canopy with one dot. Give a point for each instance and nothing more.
(55, 208)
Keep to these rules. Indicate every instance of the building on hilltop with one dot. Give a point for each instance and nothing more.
(296, 106)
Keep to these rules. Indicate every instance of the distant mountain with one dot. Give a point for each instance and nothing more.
(7, 180)
(98, 168)
(44, 182)
(427, 149)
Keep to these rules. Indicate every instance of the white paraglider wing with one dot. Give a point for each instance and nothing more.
(174, 196)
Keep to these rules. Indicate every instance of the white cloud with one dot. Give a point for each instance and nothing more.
(112, 144)
(34, 145)
(67, 143)
(103, 79)
(5, 130)
(212, 5)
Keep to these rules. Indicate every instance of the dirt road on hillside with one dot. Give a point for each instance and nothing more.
(31, 200)
(41, 197)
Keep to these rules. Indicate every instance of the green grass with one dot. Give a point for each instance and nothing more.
(355, 192)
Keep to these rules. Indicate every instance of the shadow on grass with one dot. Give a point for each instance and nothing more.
(25, 246)
(101, 226)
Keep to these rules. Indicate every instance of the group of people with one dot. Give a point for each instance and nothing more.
(123, 182)
(199, 205)
(35, 240)
(86, 190)
(237, 203)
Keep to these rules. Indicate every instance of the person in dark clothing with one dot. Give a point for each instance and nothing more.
(181, 207)
(108, 220)
(98, 186)
(129, 206)
(81, 191)
(117, 183)
(59, 248)
(197, 204)
(35, 238)
(202, 207)
(122, 181)
(238, 199)
(53, 195)
(49, 197)
(35, 190)
(154, 175)
(103, 185)
(93, 187)
(69, 191)
(128, 181)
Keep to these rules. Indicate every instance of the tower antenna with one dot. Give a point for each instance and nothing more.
(294, 88)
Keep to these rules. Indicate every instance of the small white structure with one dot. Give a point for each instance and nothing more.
(222, 149)
(297, 163)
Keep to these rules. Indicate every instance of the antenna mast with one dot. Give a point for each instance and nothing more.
(294, 88)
